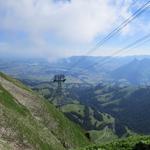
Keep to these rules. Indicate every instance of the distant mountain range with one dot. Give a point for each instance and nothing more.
(135, 72)
(82, 69)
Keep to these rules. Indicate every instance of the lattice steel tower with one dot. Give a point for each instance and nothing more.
(59, 79)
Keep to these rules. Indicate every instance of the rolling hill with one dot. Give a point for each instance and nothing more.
(107, 111)
(115, 116)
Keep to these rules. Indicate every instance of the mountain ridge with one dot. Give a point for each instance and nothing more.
(136, 72)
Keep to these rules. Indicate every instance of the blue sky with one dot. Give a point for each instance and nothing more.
(61, 28)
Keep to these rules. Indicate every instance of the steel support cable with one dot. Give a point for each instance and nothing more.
(141, 10)
(121, 50)
(140, 41)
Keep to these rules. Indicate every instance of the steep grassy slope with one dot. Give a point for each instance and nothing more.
(29, 122)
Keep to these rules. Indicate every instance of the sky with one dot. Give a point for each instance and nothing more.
(62, 28)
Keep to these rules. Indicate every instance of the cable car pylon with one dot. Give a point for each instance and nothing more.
(59, 79)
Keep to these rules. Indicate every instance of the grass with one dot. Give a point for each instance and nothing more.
(34, 132)
(20, 120)
(74, 108)
(14, 81)
(37, 129)
(123, 144)
(102, 136)
(8, 100)
(4, 145)
(67, 130)
(108, 118)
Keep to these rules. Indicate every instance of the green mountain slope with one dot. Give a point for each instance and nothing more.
(106, 111)
(131, 143)
(28, 121)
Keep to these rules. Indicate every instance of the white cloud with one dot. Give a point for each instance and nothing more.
(78, 21)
